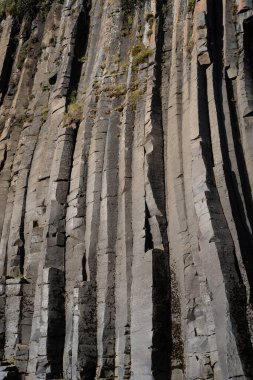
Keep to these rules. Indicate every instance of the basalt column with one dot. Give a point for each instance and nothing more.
(126, 190)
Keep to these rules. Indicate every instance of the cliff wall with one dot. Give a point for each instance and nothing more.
(126, 178)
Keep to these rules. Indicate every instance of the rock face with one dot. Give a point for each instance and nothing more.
(126, 178)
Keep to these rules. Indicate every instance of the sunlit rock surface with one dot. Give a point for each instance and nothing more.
(126, 177)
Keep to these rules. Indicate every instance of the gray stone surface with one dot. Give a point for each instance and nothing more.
(126, 210)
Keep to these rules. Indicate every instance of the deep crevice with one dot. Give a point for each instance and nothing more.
(248, 45)
(148, 235)
(56, 324)
(4, 160)
(8, 63)
(162, 338)
(81, 41)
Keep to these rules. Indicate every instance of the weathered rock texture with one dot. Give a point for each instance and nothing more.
(126, 178)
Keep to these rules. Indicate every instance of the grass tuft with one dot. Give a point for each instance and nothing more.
(140, 54)
(191, 5)
(74, 114)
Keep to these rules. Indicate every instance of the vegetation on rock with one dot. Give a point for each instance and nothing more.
(140, 53)
(74, 113)
(191, 5)
(25, 8)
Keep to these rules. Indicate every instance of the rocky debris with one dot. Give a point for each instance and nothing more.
(126, 164)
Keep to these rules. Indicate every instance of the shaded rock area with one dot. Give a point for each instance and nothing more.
(126, 178)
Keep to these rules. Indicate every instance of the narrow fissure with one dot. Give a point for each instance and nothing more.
(148, 235)
(161, 350)
(204, 124)
(248, 46)
(81, 41)
(4, 160)
(56, 324)
(8, 63)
